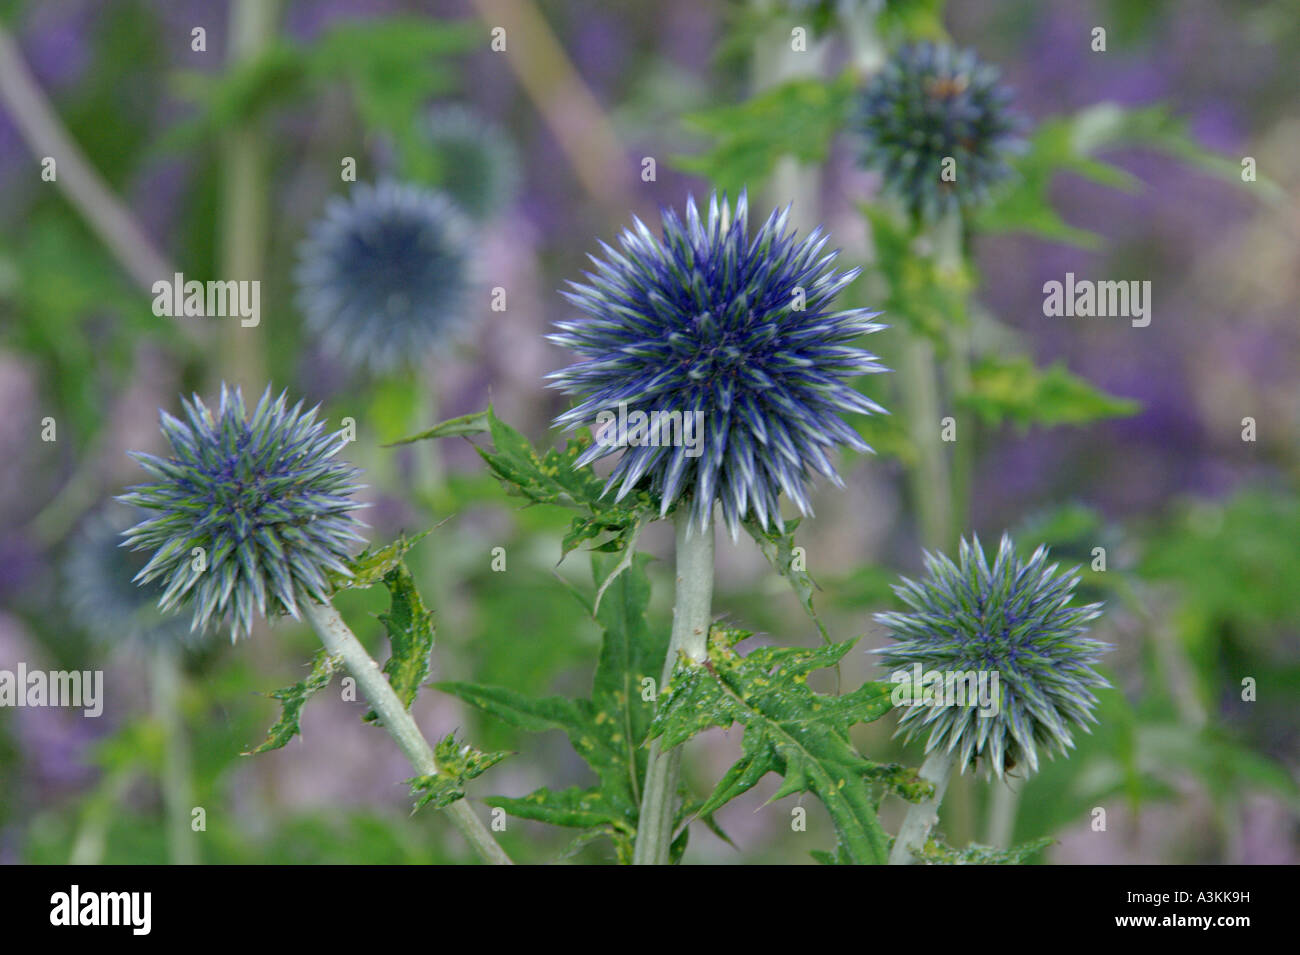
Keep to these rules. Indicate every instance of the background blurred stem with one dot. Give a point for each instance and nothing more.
(570, 110)
(244, 197)
(176, 780)
(91, 840)
(76, 178)
(692, 614)
(339, 640)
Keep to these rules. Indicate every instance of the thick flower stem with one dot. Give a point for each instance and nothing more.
(692, 612)
(340, 641)
(921, 816)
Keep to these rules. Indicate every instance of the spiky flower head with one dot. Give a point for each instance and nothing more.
(103, 596)
(384, 276)
(476, 161)
(1017, 619)
(736, 333)
(932, 103)
(264, 499)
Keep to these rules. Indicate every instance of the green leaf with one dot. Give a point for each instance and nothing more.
(798, 118)
(923, 294)
(410, 634)
(457, 764)
(937, 853)
(465, 425)
(292, 699)
(373, 565)
(1071, 144)
(1015, 390)
(789, 729)
(608, 730)
(551, 478)
(779, 548)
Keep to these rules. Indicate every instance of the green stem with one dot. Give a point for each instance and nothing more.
(1002, 815)
(931, 485)
(692, 614)
(91, 840)
(921, 816)
(939, 496)
(339, 640)
(244, 195)
(176, 780)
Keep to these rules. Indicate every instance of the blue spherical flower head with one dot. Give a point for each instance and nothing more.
(261, 497)
(1017, 619)
(929, 104)
(735, 335)
(384, 276)
(477, 162)
(103, 596)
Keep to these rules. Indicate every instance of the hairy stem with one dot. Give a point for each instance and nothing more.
(921, 816)
(340, 641)
(692, 610)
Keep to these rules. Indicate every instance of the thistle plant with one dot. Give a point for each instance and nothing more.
(739, 331)
(931, 103)
(264, 499)
(249, 513)
(1017, 619)
(384, 276)
(477, 163)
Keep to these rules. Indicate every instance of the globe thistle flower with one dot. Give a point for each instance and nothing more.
(384, 276)
(930, 103)
(477, 163)
(263, 498)
(1015, 619)
(103, 597)
(734, 332)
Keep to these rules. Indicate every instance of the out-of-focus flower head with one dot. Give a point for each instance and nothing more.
(384, 276)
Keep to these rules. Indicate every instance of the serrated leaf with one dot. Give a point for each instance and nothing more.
(551, 478)
(608, 730)
(779, 549)
(937, 853)
(789, 729)
(457, 764)
(292, 699)
(465, 425)
(799, 118)
(372, 565)
(1071, 144)
(1015, 390)
(410, 634)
